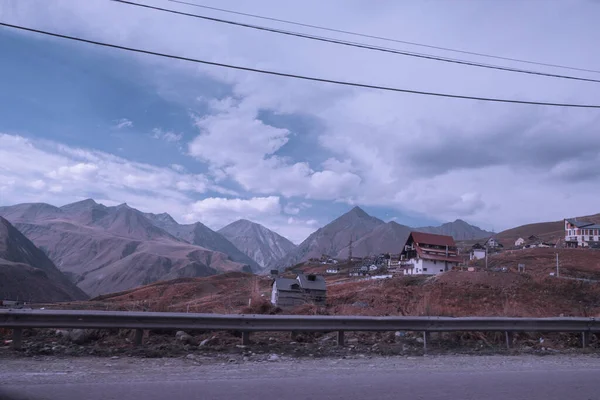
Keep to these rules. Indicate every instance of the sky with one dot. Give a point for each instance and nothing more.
(211, 144)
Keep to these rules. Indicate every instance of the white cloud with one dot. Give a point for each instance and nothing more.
(58, 174)
(167, 136)
(215, 211)
(178, 167)
(123, 123)
(498, 164)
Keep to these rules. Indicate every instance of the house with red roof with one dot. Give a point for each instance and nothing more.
(428, 254)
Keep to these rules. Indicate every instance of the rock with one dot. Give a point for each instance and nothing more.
(352, 341)
(79, 336)
(360, 304)
(240, 346)
(293, 342)
(326, 338)
(246, 359)
(208, 341)
(271, 339)
(273, 358)
(420, 340)
(232, 360)
(62, 333)
(183, 337)
(399, 334)
(114, 358)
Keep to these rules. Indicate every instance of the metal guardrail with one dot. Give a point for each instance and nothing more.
(23, 319)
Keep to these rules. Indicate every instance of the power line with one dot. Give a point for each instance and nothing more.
(358, 45)
(303, 77)
(473, 53)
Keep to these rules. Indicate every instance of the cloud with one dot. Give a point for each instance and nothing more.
(122, 124)
(168, 136)
(178, 167)
(222, 211)
(499, 164)
(35, 170)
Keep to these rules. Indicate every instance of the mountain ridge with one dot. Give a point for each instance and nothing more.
(261, 244)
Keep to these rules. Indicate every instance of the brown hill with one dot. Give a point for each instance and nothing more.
(26, 273)
(546, 231)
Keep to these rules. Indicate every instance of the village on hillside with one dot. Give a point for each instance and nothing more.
(426, 254)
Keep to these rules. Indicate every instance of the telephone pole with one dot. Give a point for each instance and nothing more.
(557, 265)
(350, 250)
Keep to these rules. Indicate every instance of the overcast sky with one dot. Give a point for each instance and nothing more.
(215, 145)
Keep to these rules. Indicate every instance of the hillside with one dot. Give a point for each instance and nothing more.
(259, 243)
(333, 237)
(27, 274)
(386, 238)
(106, 249)
(546, 231)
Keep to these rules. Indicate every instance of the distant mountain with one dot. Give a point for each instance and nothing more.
(107, 249)
(259, 243)
(27, 274)
(385, 238)
(333, 237)
(201, 235)
(459, 230)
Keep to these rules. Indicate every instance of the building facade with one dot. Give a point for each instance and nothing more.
(428, 254)
(310, 288)
(580, 233)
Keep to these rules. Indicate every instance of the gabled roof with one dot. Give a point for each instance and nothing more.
(285, 283)
(582, 224)
(432, 239)
(317, 284)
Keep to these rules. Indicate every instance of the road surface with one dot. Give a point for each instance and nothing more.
(397, 378)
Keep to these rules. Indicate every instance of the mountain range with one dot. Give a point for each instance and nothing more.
(369, 236)
(107, 249)
(27, 274)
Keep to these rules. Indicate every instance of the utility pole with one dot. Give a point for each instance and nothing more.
(486, 254)
(557, 265)
(350, 250)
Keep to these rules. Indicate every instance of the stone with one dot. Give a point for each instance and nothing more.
(114, 358)
(62, 333)
(399, 334)
(240, 346)
(273, 358)
(246, 359)
(183, 337)
(352, 341)
(208, 341)
(79, 336)
(420, 340)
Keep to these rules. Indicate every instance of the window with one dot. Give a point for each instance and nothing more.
(441, 270)
(424, 269)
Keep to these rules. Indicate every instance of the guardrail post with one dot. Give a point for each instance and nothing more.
(585, 339)
(245, 338)
(340, 338)
(426, 338)
(139, 336)
(17, 338)
(509, 339)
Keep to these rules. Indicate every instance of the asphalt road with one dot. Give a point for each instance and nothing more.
(493, 378)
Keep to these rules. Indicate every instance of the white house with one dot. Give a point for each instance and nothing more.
(477, 254)
(333, 270)
(581, 233)
(428, 254)
(519, 242)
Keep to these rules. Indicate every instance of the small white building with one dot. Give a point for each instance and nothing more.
(333, 270)
(519, 242)
(477, 254)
